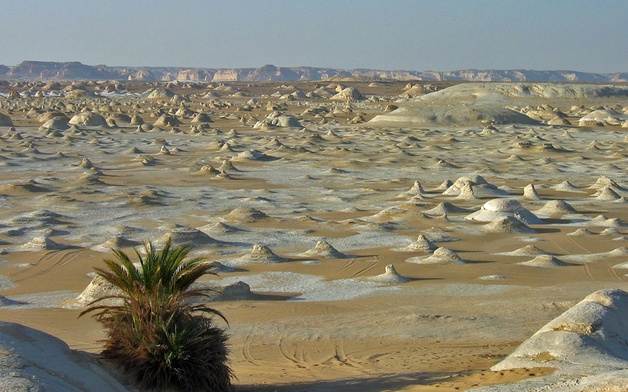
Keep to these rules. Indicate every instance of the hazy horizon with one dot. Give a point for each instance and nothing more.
(444, 35)
(308, 66)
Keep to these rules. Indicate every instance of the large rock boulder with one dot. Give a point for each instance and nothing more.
(499, 208)
(31, 360)
(5, 121)
(160, 93)
(587, 345)
(88, 119)
(481, 103)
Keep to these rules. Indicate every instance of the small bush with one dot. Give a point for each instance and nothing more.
(154, 331)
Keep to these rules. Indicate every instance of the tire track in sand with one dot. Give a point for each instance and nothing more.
(587, 270)
(347, 265)
(248, 341)
(47, 263)
(246, 346)
(342, 357)
(369, 267)
(615, 274)
(297, 354)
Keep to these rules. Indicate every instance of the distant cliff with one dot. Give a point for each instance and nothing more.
(42, 70)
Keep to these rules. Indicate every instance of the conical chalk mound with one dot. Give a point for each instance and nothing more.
(422, 244)
(528, 250)
(42, 243)
(324, 249)
(183, 235)
(245, 214)
(606, 194)
(116, 242)
(567, 186)
(545, 261)
(605, 181)
(261, 254)
(416, 190)
(440, 256)
(446, 208)
(529, 192)
(556, 207)
(579, 232)
(499, 208)
(508, 224)
(391, 276)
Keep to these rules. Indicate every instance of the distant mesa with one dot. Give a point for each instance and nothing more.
(45, 70)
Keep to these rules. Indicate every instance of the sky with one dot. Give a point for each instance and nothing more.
(439, 35)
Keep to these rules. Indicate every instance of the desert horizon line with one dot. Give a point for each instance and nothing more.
(523, 68)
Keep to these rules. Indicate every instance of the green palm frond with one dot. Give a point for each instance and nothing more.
(155, 331)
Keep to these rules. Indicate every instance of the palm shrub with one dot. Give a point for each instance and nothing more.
(154, 330)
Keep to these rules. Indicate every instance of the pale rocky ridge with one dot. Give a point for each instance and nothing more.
(44, 70)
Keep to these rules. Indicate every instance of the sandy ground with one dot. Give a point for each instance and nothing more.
(316, 323)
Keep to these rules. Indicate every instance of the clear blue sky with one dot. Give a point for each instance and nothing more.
(442, 35)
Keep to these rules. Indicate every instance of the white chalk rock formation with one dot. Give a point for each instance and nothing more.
(56, 123)
(42, 243)
(499, 208)
(347, 94)
(261, 254)
(508, 224)
(160, 93)
(324, 249)
(567, 186)
(545, 261)
(391, 276)
(609, 117)
(446, 208)
(245, 214)
(422, 244)
(528, 250)
(88, 119)
(440, 256)
(96, 289)
(587, 344)
(529, 192)
(606, 194)
(556, 207)
(416, 190)
(183, 236)
(278, 119)
(31, 360)
(463, 104)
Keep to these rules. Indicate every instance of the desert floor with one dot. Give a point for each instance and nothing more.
(315, 322)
